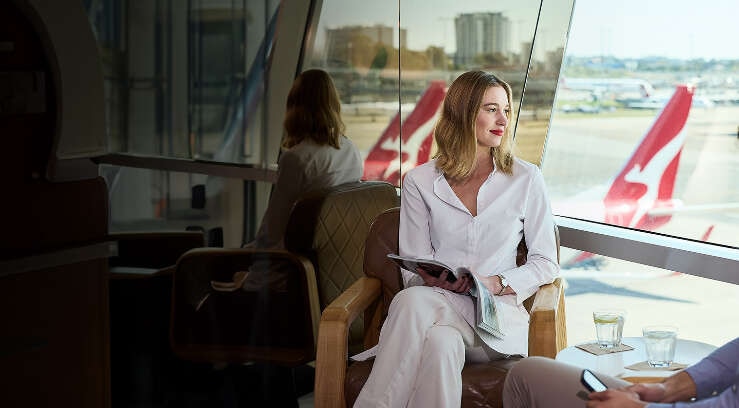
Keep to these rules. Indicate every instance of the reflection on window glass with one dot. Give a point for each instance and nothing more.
(538, 98)
(356, 42)
(644, 130)
(185, 79)
(360, 45)
(153, 200)
(702, 309)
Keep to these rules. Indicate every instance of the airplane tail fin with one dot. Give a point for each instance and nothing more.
(648, 178)
(412, 140)
(646, 90)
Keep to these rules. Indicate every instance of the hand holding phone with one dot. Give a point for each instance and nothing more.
(591, 382)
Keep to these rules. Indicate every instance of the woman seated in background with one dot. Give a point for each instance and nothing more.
(469, 207)
(316, 154)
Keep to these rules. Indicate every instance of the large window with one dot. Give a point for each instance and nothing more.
(184, 80)
(392, 77)
(643, 135)
(672, 170)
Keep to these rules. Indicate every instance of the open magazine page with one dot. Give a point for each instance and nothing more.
(486, 312)
(432, 267)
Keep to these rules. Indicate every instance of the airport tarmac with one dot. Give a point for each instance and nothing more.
(703, 309)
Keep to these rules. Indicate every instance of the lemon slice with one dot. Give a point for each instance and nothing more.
(606, 319)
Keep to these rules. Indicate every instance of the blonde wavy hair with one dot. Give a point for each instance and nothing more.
(455, 129)
(313, 111)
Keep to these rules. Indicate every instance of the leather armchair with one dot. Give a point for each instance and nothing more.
(339, 381)
(324, 244)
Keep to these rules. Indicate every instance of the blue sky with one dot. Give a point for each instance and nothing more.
(673, 28)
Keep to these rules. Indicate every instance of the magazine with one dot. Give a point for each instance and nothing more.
(430, 266)
(486, 310)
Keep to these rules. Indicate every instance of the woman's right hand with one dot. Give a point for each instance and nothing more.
(461, 285)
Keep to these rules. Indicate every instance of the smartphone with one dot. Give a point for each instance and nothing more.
(591, 382)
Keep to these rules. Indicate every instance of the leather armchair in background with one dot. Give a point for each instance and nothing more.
(324, 255)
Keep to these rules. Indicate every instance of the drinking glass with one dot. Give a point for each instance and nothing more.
(609, 326)
(660, 344)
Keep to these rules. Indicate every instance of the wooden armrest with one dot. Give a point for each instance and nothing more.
(333, 334)
(547, 330)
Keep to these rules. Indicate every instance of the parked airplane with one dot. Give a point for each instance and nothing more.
(414, 138)
(600, 86)
(639, 197)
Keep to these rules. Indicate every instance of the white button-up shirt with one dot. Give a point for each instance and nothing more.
(435, 224)
(305, 167)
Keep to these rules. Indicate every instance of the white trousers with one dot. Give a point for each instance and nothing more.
(420, 353)
(537, 382)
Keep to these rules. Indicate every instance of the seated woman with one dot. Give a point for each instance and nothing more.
(469, 207)
(316, 154)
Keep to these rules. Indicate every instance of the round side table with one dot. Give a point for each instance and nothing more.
(686, 352)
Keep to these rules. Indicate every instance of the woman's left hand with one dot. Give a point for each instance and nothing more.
(461, 285)
(493, 285)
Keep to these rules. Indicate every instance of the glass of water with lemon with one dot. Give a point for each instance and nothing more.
(609, 326)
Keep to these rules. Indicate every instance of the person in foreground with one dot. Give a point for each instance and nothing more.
(468, 207)
(542, 382)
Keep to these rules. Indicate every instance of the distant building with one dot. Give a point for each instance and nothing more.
(339, 41)
(481, 33)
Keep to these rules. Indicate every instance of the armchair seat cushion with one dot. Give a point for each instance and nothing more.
(482, 383)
